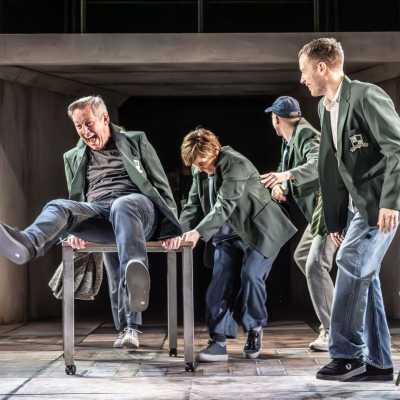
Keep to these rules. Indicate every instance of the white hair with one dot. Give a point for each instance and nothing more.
(96, 103)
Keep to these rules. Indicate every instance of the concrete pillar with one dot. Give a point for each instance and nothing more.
(34, 133)
(14, 171)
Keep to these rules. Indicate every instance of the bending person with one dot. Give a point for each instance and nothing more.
(229, 206)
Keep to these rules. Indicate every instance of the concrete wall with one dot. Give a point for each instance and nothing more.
(34, 133)
(13, 200)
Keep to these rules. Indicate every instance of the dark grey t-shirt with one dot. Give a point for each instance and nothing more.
(106, 175)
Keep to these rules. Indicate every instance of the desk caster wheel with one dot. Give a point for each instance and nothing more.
(70, 369)
(190, 367)
(173, 353)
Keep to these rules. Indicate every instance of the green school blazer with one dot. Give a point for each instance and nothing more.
(241, 200)
(303, 165)
(144, 169)
(366, 164)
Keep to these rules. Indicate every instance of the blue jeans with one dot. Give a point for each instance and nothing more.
(122, 316)
(237, 293)
(128, 220)
(358, 323)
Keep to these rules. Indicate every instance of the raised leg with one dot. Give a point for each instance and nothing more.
(68, 310)
(188, 309)
(172, 305)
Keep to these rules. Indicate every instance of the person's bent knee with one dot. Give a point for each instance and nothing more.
(251, 276)
(350, 265)
(299, 260)
(313, 268)
(62, 204)
(121, 205)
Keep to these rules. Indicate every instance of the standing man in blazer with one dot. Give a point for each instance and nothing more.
(229, 206)
(359, 170)
(297, 180)
(118, 191)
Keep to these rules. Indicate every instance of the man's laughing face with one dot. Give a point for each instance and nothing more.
(93, 129)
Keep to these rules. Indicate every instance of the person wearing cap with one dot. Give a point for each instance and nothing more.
(297, 180)
(229, 207)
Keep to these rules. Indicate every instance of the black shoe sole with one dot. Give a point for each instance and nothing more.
(344, 377)
(12, 249)
(138, 285)
(371, 378)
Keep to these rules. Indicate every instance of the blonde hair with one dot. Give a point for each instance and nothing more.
(327, 50)
(96, 103)
(199, 142)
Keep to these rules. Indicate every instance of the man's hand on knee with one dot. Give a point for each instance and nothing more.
(388, 220)
(172, 243)
(337, 238)
(76, 243)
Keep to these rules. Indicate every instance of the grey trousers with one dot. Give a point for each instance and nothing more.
(314, 256)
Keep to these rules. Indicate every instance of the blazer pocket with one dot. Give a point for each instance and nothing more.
(275, 226)
(358, 140)
(351, 132)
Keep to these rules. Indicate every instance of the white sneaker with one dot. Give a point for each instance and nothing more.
(119, 340)
(131, 338)
(321, 343)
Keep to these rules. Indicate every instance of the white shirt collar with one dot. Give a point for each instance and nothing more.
(329, 104)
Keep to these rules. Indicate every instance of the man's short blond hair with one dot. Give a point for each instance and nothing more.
(96, 103)
(199, 142)
(327, 50)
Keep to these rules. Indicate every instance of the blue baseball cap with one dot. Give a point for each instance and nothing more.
(285, 107)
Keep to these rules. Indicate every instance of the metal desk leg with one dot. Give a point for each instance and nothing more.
(172, 305)
(188, 309)
(68, 310)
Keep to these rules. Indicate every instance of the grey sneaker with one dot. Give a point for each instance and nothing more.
(15, 245)
(321, 343)
(118, 343)
(131, 338)
(213, 352)
(138, 285)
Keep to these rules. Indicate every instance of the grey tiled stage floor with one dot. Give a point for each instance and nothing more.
(32, 367)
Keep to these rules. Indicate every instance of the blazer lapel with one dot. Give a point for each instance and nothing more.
(132, 165)
(321, 112)
(343, 111)
(204, 193)
(78, 181)
(291, 146)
